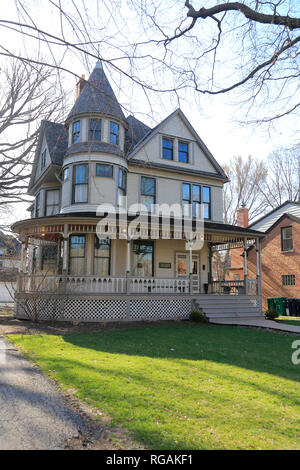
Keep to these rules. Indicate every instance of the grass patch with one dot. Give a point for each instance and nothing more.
(289, 320)
(182, 386)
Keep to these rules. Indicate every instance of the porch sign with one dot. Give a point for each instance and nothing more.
(165, 265)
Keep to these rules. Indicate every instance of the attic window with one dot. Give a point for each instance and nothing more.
(75, 132)
(167, 148)
(183, 152)
(43, 159)
(95, 129)
(114, 133)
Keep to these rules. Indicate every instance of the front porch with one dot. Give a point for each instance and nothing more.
(69, 272)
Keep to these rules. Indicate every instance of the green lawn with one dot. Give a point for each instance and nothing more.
(182, 386)
(290, 320)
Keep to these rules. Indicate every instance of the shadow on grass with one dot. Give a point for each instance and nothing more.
(243, 347)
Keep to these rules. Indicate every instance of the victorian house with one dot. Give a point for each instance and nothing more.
(100, 157)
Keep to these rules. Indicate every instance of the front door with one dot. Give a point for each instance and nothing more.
(182, 269)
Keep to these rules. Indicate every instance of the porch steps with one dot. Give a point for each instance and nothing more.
(228, 306)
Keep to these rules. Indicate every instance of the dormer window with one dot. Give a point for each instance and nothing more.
(167, 148)
(183, 152)
(75, 132)
(114, 133)
(43, 159)
(95, 130)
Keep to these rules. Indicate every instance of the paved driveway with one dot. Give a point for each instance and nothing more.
(33, 415)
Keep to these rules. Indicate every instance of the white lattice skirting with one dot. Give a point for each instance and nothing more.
(103, 309)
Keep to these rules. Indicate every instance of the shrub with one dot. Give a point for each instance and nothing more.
(271, 314)
(198, 316)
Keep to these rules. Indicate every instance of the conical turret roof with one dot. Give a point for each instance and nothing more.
(97, 96)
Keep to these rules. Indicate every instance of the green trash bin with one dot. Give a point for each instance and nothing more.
(271, 303)
(280, 305)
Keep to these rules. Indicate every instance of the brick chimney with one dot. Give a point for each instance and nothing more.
(242, 219)
(79, 86)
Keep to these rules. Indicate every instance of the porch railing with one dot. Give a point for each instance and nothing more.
(233, 287)
(102, 285)
(121, 285)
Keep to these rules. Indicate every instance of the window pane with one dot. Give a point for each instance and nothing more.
(95, 129)
(81, 193)
(183, 152)
(205, 194)
(104, 170)
(186, 192)
(143, 259)
(66, 174)
(81, 174)
(122, 179)
(101, 267)
(53, 197)
(52, 210)
(102, 246)
(181, 267)
(148, 201)
(148, 186)
(167, 149)
(77, 246)
(206, 211)
(196, 193)
(114, 133)
(49, 258)
(77, 266)
(76, 132)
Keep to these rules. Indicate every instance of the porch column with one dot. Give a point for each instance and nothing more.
(258, 267)
(128, 265)
(245, 267)
(23, 257)
(191, 266)
(65, 256)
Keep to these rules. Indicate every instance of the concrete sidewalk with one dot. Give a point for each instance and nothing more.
(258, 322)
(33, 414)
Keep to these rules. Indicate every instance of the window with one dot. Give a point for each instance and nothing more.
(43, 159)
(95, 129)
(38, 205)
(75, 132)
(52, 202)
(102, 249)
(236, 277)
(206, 201)
(77, 255)
(66, 174)
(1, 251)
(167, 148)
(121, 187)
(49, 258)
(183, 152)
(148, 192)
(286, 238)
(288, 280)
(143, 258)
(114, 133)
(104, 170)
(80, 183)
(191, 194)
(34, 258)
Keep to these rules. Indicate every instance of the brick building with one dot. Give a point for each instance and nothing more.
(280, 252)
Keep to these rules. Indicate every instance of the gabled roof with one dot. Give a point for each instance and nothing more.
(56, 137)
(57, 140)
(136, 131)
(147, 137)
(97, 96)
(268, 220)
(284, 216)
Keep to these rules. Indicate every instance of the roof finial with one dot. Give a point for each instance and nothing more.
(99, 63)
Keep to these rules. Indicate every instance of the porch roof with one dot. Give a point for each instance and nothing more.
(90, 219)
